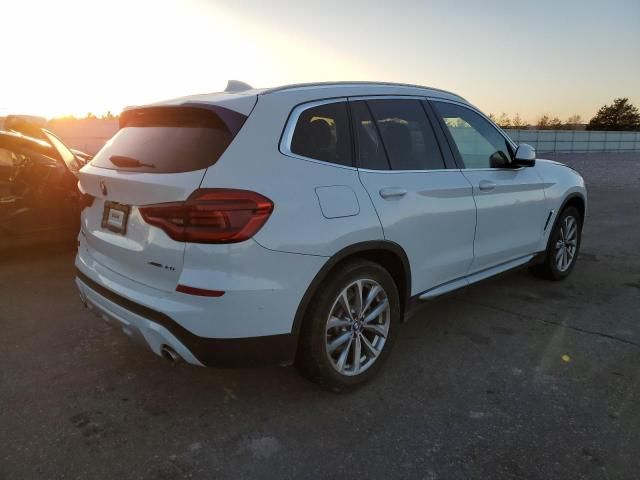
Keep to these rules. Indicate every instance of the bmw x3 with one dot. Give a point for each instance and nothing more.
(300, 224)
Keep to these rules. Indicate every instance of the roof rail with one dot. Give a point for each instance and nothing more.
(347, 83)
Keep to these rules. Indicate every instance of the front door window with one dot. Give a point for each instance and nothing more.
(478, 142)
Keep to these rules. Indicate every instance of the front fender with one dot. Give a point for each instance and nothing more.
(562, 184)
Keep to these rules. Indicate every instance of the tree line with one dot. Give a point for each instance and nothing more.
(621, 115)
(89, 116)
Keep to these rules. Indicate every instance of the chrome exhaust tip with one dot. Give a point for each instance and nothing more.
(170, 355)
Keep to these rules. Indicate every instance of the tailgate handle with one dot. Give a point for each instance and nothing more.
(392, 192)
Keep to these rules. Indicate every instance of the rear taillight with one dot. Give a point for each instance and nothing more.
(215, 215)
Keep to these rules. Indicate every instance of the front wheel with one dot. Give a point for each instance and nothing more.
(563, 247)
(350, 326)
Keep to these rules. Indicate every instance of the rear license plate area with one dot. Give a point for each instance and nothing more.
(115, 217)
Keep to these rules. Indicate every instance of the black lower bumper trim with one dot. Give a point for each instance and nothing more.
(212, 352)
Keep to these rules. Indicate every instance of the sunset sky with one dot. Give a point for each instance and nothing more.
(556, 57)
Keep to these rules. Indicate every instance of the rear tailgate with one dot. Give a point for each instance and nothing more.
(141, 252)
(159, 155)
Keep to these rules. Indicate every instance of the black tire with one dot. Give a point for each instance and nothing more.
(313, 360)
(548, 268)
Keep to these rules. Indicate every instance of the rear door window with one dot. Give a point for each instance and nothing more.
(169, 139)
(322, 133)
(406, 132)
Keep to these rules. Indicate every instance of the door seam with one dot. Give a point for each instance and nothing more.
(384, 235)
(475, 227)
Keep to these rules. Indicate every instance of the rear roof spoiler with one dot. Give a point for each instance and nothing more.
(187, 114)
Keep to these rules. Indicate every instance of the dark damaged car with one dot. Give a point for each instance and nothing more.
(39, 197)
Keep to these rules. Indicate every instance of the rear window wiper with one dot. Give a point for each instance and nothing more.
(128, 162)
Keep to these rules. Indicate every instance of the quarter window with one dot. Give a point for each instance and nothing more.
(406, 132)
(322, 133)
(479, 143)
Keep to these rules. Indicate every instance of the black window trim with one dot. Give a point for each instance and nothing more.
(441, 138)
(290, 126)
(356, 141)
(452, 145)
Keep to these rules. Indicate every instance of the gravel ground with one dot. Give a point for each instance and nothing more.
(512, 378)
(603, 170)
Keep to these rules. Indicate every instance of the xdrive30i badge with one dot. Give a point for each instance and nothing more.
(159, 265)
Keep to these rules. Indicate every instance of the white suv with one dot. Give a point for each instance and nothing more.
(300, 224)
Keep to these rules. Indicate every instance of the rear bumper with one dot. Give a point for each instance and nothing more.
(251, 324)
(156, 329)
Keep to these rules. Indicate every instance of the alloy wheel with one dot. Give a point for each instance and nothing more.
(567, 244)
(357, 327)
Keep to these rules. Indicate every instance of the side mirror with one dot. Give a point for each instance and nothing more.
(525, 156)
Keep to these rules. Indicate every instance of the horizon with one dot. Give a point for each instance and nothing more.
(104, 56)
(498, 118)
(110, 115)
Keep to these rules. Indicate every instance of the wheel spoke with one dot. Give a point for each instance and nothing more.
(343, 356)
(335, 322)
(375, 313)
(376, 328)
(345, 304)
(368, 346)
(358, 298)
(559, 254)
(356, 355)
(341, 340)
(373, 293)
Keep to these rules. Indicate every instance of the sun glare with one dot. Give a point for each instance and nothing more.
(99, 57)
(68, 57)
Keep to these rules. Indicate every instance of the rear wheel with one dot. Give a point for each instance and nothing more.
(350, 326)
(563, 246)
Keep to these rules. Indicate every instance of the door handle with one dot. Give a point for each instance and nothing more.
(486, 185)
(392, 192)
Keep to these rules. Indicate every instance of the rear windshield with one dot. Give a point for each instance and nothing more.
(170, 139)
